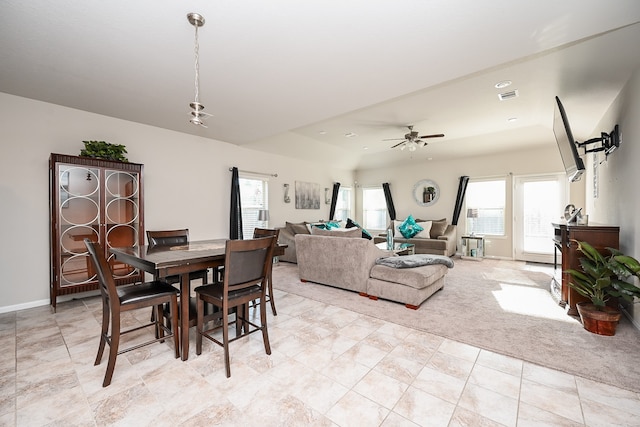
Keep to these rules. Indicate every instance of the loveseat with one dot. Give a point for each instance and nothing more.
(439, 240)
(350, 263)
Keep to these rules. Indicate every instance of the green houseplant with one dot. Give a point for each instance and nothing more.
(603, 277)
(104, 150)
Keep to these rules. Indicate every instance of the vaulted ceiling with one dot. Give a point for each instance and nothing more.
(294, 78)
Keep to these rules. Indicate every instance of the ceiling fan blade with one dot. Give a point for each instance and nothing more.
(394, 139)
(399, 144)
(436, 135)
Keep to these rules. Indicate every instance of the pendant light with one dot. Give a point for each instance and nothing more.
(197, 113)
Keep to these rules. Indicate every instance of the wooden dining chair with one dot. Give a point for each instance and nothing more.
(157, 238)
(247, 265)
(116, 300)
(175, 238)
(264, 232)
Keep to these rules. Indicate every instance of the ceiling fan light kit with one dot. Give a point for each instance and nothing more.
(197, 113)
(412, 140)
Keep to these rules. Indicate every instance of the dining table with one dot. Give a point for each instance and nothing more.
(163, 261)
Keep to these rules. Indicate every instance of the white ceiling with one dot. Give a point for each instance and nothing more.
(275, 74)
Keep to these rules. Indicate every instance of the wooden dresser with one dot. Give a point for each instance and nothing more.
(598, 236)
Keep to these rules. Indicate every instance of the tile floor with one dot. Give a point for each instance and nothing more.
(329, 366)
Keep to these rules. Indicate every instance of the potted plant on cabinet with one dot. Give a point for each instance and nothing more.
(603, 277)
(104, 150)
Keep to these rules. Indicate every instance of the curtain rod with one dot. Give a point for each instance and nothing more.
(275, 175)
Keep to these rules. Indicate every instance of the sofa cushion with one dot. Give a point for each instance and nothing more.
(297, 228)
(418, 277)
(438, 227)
(337, 232)
(409, 228)
(426, 233)
(351, 224)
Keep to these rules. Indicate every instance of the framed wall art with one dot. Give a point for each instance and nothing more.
(307, 195)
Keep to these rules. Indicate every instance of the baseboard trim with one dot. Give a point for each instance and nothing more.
(42, 302)
(628, 316)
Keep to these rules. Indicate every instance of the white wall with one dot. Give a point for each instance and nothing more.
(618, 201)
(447, 175)
(187, 184)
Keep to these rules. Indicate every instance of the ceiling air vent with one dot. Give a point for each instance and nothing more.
(508, 95)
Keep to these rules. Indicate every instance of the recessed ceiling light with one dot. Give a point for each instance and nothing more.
(350, 135)
(503, 84)
(512, 119)
(365, 148)
(323, 132)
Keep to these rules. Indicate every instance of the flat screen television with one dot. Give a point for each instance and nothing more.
(573, 164)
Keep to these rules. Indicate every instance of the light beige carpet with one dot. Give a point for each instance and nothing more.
(503, 307)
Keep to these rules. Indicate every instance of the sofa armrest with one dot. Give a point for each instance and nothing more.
(286, 237)
(450, 235)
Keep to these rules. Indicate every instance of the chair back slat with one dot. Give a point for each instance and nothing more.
(168, 237)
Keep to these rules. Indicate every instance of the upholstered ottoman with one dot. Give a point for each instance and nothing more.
(410, 286)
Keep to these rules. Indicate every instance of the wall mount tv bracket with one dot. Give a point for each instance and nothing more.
(609, 142)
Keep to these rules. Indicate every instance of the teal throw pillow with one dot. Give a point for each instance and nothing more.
(331, 224)
(409, 228)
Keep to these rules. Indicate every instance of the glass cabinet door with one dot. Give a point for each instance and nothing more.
(79, 218)
(122, 213)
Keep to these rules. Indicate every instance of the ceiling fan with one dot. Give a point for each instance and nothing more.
(412, 140)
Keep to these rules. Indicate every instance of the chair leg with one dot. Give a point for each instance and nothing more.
(174, 324)
(113, 349)
(103, 334)
(225, 339)
(265, 333)
(160, 315)
(271, 301)
(199, 324)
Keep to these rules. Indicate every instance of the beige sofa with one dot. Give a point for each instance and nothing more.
(441, 241)
(288, 233)
(349, 263)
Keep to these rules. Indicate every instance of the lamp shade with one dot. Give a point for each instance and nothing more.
(472, 213)
(263, 215)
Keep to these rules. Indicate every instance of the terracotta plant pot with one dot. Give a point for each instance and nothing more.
(596, 321)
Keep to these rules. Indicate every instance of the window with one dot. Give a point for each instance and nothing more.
(253, 196)
(485, 202)
(374, 208)
(343, 204)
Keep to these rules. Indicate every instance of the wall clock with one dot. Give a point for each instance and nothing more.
(426, 192)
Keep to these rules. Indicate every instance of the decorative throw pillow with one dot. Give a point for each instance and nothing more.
(351, 224)
(438, 227)
(297, 228)
(336, 232)
(409, 228)
(425, 233)
(331, 224)
(310, 225)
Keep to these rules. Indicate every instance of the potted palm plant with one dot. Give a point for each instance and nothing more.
(603, 277)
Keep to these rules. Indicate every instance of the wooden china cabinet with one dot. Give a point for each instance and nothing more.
(97, 199)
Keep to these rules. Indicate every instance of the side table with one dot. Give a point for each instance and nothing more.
(473, 247)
